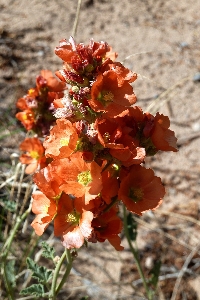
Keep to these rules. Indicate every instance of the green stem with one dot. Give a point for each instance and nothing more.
(7, 284)
(54, 289)
(135, 254)
(6, 249)
(69, 266)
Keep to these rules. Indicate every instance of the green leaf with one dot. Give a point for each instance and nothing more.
(132, 227)
(155, 271)
(9, 205)
(48, 251)
(35, 289)
(10, 272)
(42, 274)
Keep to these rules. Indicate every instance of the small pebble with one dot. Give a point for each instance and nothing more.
(184, 45)
(40, 53)
(149, 262)
(196, 77)
(196, 126)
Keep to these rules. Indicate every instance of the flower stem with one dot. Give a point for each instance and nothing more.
(6, 249)
(136, 255)
(68, 269)
(54, 290)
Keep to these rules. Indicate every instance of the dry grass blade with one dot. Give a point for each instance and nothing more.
(165, 96)
(181, 273)
(179, 216)
(171, 237)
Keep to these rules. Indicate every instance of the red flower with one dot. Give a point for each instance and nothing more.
(140, 190)
(107, 226)
(110, 185)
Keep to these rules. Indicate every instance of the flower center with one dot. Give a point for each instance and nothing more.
(106, 137)
(108, 96)
(34, 154)
(64, 141)
(72, 218)
(31, 92)
(136, 194)
(84, 178)
(105, 97)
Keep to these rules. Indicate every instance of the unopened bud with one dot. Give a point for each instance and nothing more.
(56, 259)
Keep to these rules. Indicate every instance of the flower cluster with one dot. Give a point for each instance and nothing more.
(36, 107)
(96, 150)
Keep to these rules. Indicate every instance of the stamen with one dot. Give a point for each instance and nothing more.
(136, 194)
(108, 96)
(34, 154)
(64, 141)
(84, 178)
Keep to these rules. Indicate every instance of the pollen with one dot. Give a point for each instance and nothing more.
(84, 178)
(108, 96)
(64, 141)
(72, 218)
(106, 137)
(136, 194)
(46, 208)
(34, 154)
(31, 92)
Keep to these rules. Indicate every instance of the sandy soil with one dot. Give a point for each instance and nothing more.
(159, 40)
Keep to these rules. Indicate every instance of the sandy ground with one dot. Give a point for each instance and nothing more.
(159, 40)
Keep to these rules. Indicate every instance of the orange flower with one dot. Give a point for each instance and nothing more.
(123, 74)
(140, 190)
(130, 153)
(62, 140)
(65, 51)
(48, 182)
(45, 209)
(162, 137)
(102, 50)
(72, 222)
(53, 84)
(109, 94)
(109, 132)
(151, 133)
(22, 104)
(107, 226)
(34, 156)
(122, 146)
(26, 118)
(79, 178)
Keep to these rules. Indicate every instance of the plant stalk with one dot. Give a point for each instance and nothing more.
(136, 256)
(54, 290)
